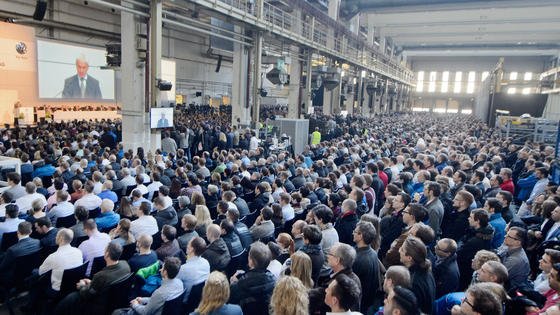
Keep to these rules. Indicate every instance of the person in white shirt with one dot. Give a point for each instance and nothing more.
(65, 257)
(145, 224)
(140, 185)
(90, 201)
(549, 258)
(127, 180)
(95, 245)
(196, 269)
(97, 177)
(254, 142)
(63, 207)
(287, 210)
(12, 220)
(24, 202)
(140, 170)
(154, 186)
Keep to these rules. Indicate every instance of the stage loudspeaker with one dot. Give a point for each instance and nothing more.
(219, 65)
(40, 10)
(198, 94)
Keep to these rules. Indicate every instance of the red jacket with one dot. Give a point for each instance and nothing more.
(383, 178)
(508, 186)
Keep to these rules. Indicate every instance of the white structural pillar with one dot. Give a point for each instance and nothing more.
(308, 92)
(135, 121)
(294, 97)
(371, 29)
(156, 38)
(256, 75)
(241, 113)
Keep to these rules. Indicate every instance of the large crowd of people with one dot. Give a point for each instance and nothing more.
(395, 214)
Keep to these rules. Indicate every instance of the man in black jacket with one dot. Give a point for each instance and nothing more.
(446, 271)
(24, 246)
(232, 240)
(347, 222)
(217, 252)
(261, 198)
(366, 265)
(456, 223)
(163, 215)
(478, 237)
(392, 225)
(241, 229)
(252, 290)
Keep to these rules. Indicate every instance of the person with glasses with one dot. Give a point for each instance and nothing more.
(478, 237)
(479, 301)
(456, 223)
(513, 256)
(412, 214)
(446, 270)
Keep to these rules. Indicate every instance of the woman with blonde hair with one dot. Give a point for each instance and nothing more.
(289, 297)
(214, 297)
(203, 220)
(287, 246)
(301, 268)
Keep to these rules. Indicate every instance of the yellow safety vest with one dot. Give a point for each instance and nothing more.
(315, 137)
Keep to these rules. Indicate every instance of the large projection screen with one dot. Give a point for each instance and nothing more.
(61, 67)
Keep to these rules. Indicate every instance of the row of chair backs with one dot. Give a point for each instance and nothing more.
(66, 222)
(8, 239)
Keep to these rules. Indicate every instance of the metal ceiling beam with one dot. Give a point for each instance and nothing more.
(480, 52)
(349, 8)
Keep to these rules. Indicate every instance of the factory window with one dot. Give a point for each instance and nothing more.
(470, 82)
(513, 76)
(432, 84)
(444, 81)
(420, 82)
(458, 78)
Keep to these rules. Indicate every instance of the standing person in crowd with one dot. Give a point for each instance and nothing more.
(515, 259)
(456, 223)
(366, 264)
(445, 270)
(478, 237)
(413, 256)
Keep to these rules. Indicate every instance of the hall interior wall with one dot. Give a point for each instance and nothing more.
(97, 26)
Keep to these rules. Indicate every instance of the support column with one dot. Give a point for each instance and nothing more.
(327, 101)
(361, 91)
(308, 93)
(257, 55)
(155, 64)
(241, 113)
(371, 29)
(135, 120)
(294, 97)
(349, 103)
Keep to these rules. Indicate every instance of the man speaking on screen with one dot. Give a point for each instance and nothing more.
(81, 85)
(163, 122)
